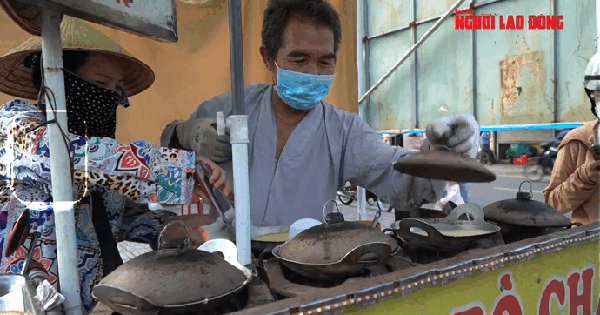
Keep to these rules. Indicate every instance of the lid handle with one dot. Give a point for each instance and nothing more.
(466, 212)
(178, 244)
(439, 147)
(523, 195)
(376, 219)
(332, 217)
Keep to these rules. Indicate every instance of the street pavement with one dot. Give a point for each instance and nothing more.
(506, 185)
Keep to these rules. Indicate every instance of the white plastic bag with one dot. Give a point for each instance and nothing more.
(48, 296)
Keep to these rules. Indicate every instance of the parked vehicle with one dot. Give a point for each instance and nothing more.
(348, 194)
(517, 150)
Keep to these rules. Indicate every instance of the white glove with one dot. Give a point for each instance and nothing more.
(200, 135)
(459, 133)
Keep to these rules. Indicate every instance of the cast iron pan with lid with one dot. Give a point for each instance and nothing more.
(463, 227)
(337, 249)
(523, 217)
(175, 279)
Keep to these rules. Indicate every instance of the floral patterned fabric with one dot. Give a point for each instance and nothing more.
(130, 176)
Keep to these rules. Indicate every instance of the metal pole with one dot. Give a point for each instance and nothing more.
(474, 67)
(554, 12)
(597, 51)
(361, 198)
(412, 49)
(366, 61)
(597, 25)
(414, 95)
(60, 171)
(239, 136)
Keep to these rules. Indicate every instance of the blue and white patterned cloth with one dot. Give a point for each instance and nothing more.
(129, 176)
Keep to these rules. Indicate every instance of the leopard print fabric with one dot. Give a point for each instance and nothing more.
(125, 185)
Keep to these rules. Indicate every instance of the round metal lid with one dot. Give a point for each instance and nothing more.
(444, 165)
(175, 276)
(522, 211)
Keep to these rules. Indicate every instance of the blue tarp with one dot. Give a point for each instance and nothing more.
(555, 126)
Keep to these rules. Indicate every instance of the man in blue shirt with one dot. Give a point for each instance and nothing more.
(486, 152)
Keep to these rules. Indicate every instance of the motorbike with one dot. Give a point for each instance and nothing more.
(349, 194)
(539, 167)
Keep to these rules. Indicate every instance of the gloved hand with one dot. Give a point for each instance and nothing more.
(459, 133)
(200, 135)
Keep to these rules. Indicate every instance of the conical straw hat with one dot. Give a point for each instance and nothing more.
(16, 79)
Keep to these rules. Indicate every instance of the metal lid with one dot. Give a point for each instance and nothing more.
(173, 276)
(444, 165)
(522, 211)
(331, 242)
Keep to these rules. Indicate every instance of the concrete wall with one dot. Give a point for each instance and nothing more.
(529, 136)
(500, 76)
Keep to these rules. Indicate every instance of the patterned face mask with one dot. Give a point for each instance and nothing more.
(91, 106)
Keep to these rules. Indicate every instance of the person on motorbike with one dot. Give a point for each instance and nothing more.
(576, 175)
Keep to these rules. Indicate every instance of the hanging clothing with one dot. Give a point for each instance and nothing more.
(122, 179)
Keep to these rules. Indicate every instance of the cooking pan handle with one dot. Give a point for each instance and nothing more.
(433, 235)
(123, 301)
(376, 219)
(439, 147)
(388, 231)
(368, 254)
(260, 266)
(575, 224)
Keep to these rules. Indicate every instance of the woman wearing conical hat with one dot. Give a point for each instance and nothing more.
(99, 75)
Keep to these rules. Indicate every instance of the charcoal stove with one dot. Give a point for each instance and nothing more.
(425, 256)
(285, 283)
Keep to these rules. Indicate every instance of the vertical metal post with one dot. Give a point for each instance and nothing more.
(554, 11)
(473, 67)
(60, 171)
(497, 145)
(361, 27)
(237, 58)
(239, 136)
(414, 91)
(598, 26)
(366, 61)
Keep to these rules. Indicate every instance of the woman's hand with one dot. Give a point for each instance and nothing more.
(218, 177)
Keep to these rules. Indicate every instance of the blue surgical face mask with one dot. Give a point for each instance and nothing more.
(302, 91)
